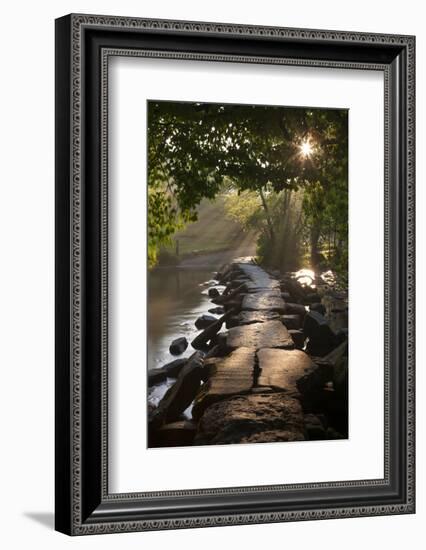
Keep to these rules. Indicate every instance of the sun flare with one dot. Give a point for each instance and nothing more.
(306, 148)
(305, 276)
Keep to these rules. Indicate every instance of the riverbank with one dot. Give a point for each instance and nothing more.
(278, 373)
(246, 248)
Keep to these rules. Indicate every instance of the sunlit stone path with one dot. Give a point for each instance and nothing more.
(268, 367)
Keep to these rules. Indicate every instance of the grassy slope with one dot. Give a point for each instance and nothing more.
(212, 231)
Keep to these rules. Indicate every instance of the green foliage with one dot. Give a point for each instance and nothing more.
(195, 150)
(325, 202)
(245, 208)
(163, 220)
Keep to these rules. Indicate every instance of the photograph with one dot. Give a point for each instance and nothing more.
(234, 271)
(248, 280)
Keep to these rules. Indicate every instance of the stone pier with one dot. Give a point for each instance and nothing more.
(260, 380)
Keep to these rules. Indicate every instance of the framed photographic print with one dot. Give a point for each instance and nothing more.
(234, 274)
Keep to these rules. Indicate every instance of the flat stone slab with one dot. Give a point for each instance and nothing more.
(254, 418)
(266, 300)
(249, 317)
(281, 369)
(252, 287)
(258, 276)
(228, 376)
(270, 334)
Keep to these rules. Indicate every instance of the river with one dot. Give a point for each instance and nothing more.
(176, 297)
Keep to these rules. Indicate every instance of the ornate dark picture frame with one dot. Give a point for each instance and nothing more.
(84, 44)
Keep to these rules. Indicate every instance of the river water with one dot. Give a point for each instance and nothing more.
(176, 297)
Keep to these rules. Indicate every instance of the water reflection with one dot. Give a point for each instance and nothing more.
(176, 297)
(175, 300)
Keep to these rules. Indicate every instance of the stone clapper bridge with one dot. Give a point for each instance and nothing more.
(279, 373)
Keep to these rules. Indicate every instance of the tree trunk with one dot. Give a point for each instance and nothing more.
(268, 215)
(315, 235)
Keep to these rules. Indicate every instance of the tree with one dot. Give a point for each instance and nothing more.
(196, 148)
(325, 200)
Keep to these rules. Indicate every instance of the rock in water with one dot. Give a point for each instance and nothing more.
(312, 298)
(151, 410)
(200, 341)
(235, 283)
(175, 434)
(338, 359)
(227, 376)
(232, 322)
(282, 369)
(223, 273)
(219, 310)
(334, 356)
(292, 287)
(179, 396)
(342, 334)
(173, 368)
(322, 339)
(204, 321)
(318, 307)
(292, 321)
(333, 434)
(314, 428)
(298, 338)
(271, 334)
(156, 376)
(254, 418)
(178, 346)
(295, 309)
(213, 292)
(314, 324)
